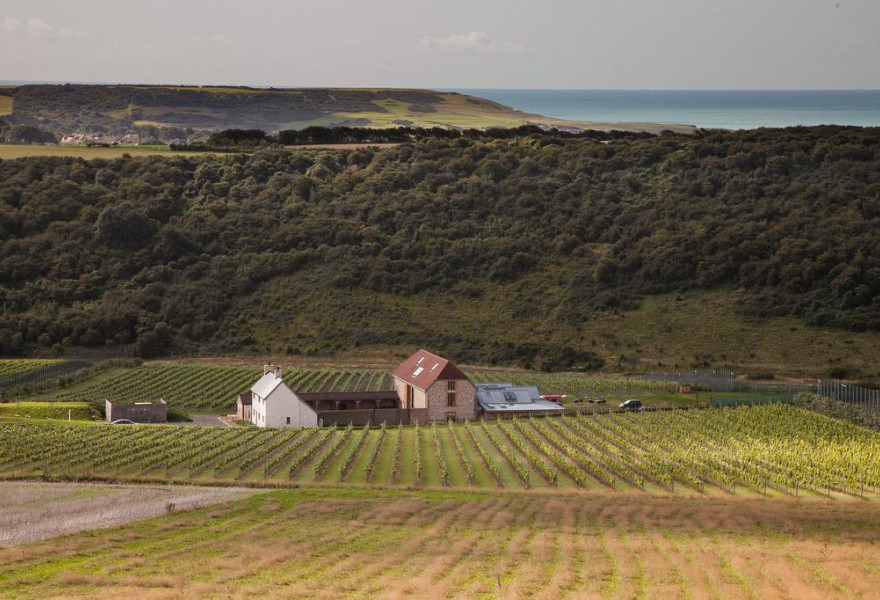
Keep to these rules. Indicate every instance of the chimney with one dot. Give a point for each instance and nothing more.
(270, 368)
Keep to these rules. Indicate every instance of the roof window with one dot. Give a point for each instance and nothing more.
(418, 372)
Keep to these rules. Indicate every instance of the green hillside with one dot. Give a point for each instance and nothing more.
(150, 109)
(751, 249)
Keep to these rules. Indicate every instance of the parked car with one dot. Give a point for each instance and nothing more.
(123, 422)
(632, 404)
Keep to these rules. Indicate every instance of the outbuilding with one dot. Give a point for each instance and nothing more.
(243, 406)
(506, 399)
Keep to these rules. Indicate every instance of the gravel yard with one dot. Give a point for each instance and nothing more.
(38, 511)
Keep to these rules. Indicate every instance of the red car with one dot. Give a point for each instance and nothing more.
(557, 398)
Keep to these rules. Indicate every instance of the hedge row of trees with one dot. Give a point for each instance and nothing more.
(248, 139)
(319, 250)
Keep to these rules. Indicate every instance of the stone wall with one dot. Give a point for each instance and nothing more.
(465, 401)
(142, 412)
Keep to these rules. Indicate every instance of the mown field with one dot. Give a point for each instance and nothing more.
(771, 450)
(381, 543)
(13, 151)
(215, 387)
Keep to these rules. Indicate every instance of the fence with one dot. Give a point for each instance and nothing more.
(750, 400)
(846, 392)
(42, 374)
(725, 381)
(707, 379)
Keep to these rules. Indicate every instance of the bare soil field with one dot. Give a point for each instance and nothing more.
(38, 511)
(391, 544)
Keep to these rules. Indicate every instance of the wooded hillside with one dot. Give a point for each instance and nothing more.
(320, 251)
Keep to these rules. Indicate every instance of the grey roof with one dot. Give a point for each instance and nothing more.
(266, 385)
(246, 398)
(506, 397)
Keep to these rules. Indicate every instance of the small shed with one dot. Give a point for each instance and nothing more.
(139, 412)
(243, 406)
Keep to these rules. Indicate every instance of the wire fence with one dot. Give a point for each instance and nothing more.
(41, 374)
(847, 392)
(722, 380)
(707, 379)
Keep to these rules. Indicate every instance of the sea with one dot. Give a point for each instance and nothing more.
(710, 109)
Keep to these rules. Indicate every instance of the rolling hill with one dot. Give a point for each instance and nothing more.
(755, 249)
(127, 108)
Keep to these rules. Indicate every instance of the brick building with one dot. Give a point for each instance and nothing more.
(433, 383)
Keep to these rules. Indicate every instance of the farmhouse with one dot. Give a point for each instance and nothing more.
(273, 404)
(430, 382)
(506, 399)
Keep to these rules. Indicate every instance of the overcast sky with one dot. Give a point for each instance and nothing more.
(596, 44)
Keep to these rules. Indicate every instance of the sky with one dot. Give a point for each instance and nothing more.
(551, 44)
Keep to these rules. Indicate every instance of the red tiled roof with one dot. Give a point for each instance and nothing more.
(422, 369)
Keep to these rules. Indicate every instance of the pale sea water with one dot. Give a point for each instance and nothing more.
(708, 109)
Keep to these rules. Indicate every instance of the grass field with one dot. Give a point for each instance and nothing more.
(13, 151)
(334, 543)
(79, 411)
(6, 103)
(773, 451)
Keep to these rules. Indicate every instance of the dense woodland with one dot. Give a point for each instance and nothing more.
(217, 253)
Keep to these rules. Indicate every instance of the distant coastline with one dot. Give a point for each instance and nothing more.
(708, 109)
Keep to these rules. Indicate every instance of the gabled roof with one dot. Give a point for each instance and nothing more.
(266, 385)
(422, 369)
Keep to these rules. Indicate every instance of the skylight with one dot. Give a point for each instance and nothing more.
(435, 366)
(418, 372)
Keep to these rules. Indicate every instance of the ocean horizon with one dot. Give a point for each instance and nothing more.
(708, 109)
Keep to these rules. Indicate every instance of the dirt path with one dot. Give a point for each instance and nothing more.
(38, 511)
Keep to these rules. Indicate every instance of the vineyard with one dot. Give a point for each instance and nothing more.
(212, 387)
(773, 450)
(16, 366)
(215, 387)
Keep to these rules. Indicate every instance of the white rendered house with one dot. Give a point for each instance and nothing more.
(274, 404)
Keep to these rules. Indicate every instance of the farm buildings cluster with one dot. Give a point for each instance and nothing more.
(427, 388)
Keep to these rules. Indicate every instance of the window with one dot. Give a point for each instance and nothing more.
(450, 393)
(450, 416)
(288, 420)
